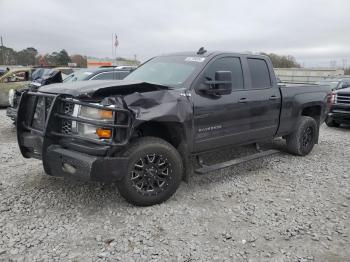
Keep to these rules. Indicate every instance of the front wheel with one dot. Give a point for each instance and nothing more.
(154, 172)
(303, 139)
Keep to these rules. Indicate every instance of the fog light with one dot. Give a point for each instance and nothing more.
(104, 133)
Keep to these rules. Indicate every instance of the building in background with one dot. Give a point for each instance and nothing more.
(98, 62)
(91, 63)
(307, 75)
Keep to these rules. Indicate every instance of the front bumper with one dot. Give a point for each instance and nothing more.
(61, 162)
(340, 113)
(11, 113)
(341, 118)
(68, 154)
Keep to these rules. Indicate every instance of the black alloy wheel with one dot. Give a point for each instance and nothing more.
(154, 171)
(151, 174)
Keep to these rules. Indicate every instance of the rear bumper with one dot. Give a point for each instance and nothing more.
(61, 162)
(11, 113)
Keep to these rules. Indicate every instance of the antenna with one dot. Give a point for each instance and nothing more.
(201, 51)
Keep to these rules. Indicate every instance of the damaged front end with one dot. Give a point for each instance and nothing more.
(78, 133)
(70, 138)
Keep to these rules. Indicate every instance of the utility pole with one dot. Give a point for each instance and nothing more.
(344, 63)
(2, 51)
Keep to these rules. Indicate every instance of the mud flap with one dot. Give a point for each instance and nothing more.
(186, 160)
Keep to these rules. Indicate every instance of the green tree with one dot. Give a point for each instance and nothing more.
(7, 56)
(63, 58)
(26, 56)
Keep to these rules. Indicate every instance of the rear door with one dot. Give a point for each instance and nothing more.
(261, 101)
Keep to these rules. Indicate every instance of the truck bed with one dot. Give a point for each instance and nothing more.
(297, 97)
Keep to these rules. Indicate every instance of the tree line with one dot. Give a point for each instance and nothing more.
(30, 57)
(282, 61)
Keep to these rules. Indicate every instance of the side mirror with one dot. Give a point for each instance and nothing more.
(222, 85)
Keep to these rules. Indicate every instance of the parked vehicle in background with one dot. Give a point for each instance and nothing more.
(13, 79)
(130, 68)
(39, 77)
(335, 84)
(65, 71)
(339, 112)
(102, 73)
(2, 71)
(48, 76)
(143, 131)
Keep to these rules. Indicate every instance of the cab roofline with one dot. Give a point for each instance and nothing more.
(212, 54)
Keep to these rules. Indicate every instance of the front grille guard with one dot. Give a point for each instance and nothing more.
(52, 115)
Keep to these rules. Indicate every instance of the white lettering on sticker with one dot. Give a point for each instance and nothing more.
(195, 59)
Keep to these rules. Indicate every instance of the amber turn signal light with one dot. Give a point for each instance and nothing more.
(104, 133)
(106, 114)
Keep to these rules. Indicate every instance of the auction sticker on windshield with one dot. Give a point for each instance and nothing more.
(195, 59)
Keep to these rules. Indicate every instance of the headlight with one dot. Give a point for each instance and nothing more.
(38, 118)
(11, 97)
(95, 113)
(92, 131)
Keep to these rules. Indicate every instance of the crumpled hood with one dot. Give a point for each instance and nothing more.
(147, 101)
(100, 88)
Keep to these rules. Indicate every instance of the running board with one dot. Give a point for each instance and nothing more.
(205, 169)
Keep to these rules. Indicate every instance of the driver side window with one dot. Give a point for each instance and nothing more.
(232, 64)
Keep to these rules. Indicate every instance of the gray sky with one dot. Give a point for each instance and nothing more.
(315, 32)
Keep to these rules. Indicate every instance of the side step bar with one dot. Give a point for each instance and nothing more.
(205, 169)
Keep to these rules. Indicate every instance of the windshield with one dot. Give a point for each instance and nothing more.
(80, 75)
(166, 70)
(332, 84)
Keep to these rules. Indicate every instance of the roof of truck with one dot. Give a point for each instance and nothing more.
(211, 54)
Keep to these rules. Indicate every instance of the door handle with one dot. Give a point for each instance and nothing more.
(273, 97)
(243, 100)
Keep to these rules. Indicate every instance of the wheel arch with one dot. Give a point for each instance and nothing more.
(172, 132)
(313, 110)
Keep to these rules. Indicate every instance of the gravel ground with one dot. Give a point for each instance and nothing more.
(280, 208)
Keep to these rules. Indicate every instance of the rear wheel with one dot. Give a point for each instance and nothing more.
(331, 123)
(303, 139)
(154, 172)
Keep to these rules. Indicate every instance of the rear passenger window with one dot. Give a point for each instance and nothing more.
(232, 64)
(259, 73)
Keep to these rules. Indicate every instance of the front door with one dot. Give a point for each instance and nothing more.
(217, 119)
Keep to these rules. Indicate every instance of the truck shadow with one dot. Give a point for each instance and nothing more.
(85, 197)
(91, 197)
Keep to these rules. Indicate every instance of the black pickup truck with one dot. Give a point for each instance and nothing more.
(339, 112)
(141, 132)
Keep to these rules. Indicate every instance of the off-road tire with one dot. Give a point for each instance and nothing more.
(331, 123)
(303, 139)
(143, 168)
